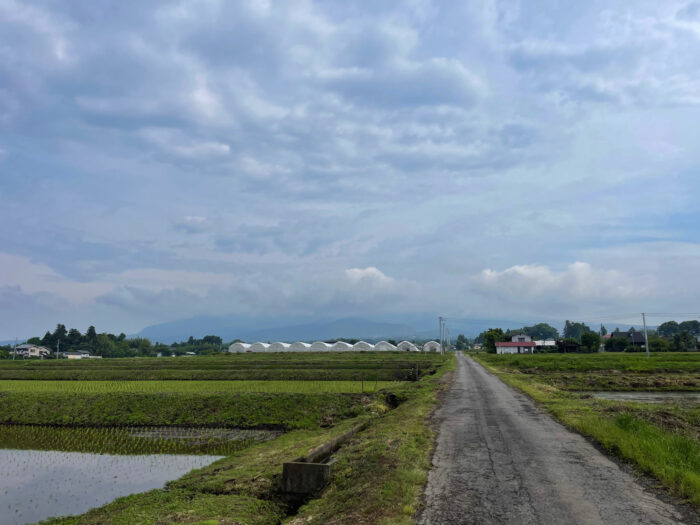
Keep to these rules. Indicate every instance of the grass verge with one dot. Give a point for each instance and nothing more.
(626, 430)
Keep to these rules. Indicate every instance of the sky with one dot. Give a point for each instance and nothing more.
(495, 159)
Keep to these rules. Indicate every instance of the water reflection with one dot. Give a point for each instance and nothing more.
(35, 485)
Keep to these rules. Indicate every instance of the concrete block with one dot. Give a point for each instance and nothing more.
(305, 478)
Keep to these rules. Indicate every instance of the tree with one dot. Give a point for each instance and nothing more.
(34, 341)
(541, 331)
(692, 327)
(59, 334)
(91, 336)
(682, 342)
(668, 329)
(491, 337)
(573, 330)
(603, 330)
(616, 344)
(590, 341)
(461, 342)
(74, 337)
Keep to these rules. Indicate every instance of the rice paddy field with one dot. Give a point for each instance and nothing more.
(197, 386)
(192, 407)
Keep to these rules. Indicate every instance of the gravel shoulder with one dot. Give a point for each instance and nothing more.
(500, 459)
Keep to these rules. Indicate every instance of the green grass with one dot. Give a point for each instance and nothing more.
(165, 387)
(661, 440)
(638, 362)
(348, 366)
(229, 410)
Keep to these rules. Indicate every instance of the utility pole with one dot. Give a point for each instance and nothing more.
(646, 337)
(58, 347)
(441, 336)
(14, 350)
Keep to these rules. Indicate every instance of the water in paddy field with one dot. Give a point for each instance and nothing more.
(38, 484)
(649, 397)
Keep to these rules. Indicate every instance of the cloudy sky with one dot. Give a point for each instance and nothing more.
(160, 160)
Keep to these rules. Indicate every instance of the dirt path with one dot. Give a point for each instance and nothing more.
(500, 459)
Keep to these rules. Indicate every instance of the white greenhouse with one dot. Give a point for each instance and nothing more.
(361, 346)
(406, 346)
(300, 347)
(239, 348)
(384, 346)
(320, 346)
(341, 346)
(278, 347)
(431, 346)
(259, 347)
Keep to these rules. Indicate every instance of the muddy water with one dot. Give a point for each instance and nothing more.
(649, 397)
(35, 485)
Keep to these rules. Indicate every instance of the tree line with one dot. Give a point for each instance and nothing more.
(111, 345)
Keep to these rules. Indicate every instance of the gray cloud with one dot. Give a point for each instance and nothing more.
(431, 141)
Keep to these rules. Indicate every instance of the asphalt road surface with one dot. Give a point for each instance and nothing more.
(500, 459)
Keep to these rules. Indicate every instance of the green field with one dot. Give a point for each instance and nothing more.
(660, 439)
(342, 366)
(203, 387)
(258, 410)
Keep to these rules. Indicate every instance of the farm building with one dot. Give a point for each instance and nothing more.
(259, 347)
(406, 346)
(361, 346)
(341, 346)
(239, 348)
(278, 347)
(519, 344)
(431, 346)
(384, 346)
(320, 346)
(300, 347)
(632, 337)
(546, 344)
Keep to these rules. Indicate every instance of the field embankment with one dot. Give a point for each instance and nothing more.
(661, 439)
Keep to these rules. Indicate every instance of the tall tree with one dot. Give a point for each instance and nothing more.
(590, 341)
(668, 329)
(491, 337)
(603, 330)
(573, 330)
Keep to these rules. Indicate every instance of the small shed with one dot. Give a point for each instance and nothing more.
(431, 346)
(384, 346)
(239, 348)
(406, 346)
(320, 346)
(300, 347)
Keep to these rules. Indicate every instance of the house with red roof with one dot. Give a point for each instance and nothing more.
(519, 344)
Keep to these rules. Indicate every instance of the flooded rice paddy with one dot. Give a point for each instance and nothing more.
(649, 397)
(38, 484)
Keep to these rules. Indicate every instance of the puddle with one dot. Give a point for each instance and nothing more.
(649, 397)
(37, 484)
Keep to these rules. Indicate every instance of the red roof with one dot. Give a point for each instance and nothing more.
(516, 343)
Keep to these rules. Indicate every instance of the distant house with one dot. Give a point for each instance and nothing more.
(29, 350)
(80, 354)
(568, 345)
(633, 338)
(546, 344)
(519, 344)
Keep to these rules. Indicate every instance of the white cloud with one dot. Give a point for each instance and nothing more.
(579, 281)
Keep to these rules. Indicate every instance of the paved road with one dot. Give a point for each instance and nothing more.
(500, 459)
